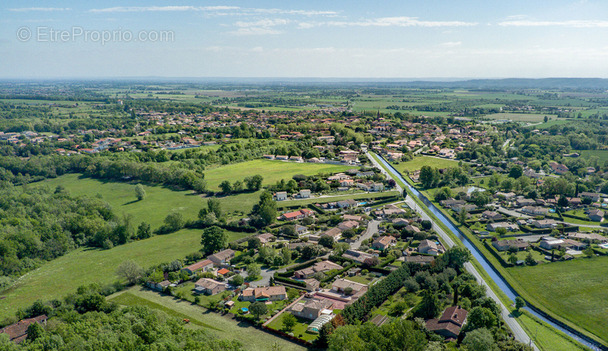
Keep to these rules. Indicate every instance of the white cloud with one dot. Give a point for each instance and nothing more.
(451, 44)
(163, 8)
(263, 23)
(254, 31)
(44, 9)
(569, 23)
(401, 21)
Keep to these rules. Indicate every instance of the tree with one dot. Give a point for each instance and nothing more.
(289, 321)
(265, 210)
(237, 187)
(140, 192)
(513, 259)
(143, 231)
(443, 194)
(236, 280)
(174, 222)
(34, 331)
(462, 216)
(428, 176)
(429, 307)
(479, 340)
(226, 187)
(346, 338)
(562, 201)
(519, 303)
(254, 243)
(530, 261)
(326, 241)
(213, 239)
(258, 309)
(254, 183)
(480, 317)
(501, 231)
(589, 252)
(253, 271)
(426, 224)
(214, 205)
(130, 271)
(516, 171)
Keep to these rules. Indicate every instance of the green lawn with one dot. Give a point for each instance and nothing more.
(299, 330)
(419, 161)
(601, 154)
(63, 275)
(520, 117)
(272, 171)
(222, 326)
(575, 290)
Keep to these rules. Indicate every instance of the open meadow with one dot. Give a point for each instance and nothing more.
(223, 327)
(575, 290)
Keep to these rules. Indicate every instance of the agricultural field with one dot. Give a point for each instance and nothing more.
(420, 161)
(271, 170)
(575, 290)
(602, 155)
(221, 326)
(63, 275)
(520, 117)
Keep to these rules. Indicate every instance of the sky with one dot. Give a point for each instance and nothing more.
(316, 39)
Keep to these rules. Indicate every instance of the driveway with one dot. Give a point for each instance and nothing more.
(372, 228)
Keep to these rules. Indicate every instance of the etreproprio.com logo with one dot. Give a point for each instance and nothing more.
(51, 35)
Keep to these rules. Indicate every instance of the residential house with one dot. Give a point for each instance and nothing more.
(525, 202)
(300, 229)
(492, 215)
(222, 257)
(305, 193)
(596, 215)
(550, 243)
(589, 237)
(280, 196)
(534, 210)
(558, 168)
(428, 247)
(346, 225)
(312, 308)
(204, 266)
(420, 259)
(299, 214)
(400, 222)
(347, 203)
(268, 293)
(544, 223)
(208, 286)
(341, 285)
(266, 238)
(348, 217)
(589, 195)
(17, 332)
(508, 226)
(356, 255)
(450, 322)
(384, 242)
(504, 245)
(323, 266)
(450, 203)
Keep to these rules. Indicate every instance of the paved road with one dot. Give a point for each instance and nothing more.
(372, 228)
(518, 331)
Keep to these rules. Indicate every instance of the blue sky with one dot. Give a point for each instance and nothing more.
(387, 39)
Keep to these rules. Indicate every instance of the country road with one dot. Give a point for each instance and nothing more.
(372, 228)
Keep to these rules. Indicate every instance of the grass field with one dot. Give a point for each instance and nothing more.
(223, 327)
(520, 117)
(574, 289)
(63, 275)
(272, 171)
(601, 154)
(419, 161)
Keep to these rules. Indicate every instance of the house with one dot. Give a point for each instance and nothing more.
(596, 215)
(348, 217)
(305, 193)
(265, 238)
(335, 233)
(356, 255)
(507, 196)
(450, 322)
(268, 293)
(342, 285)
(346, 225)
(208, 286)
(589, 195)
(158, 286)
(504, 245)
(544, 223)
(450, 203)
(589, 237)
(300, 229)
(18, 332)
(384, 242)
(558, 168)
(420, 259)
(347, 203)
(280, 196)
(400, 222)
(550, 243)
(492, 215)
(312, 308)
(534, 210)
(508, 226)
(203, 266)
(323, 266)
(299, 214)
(312, 284)
(222, 257)
(282, 157)
(223, 272)
(525, 202)
(428, 247)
